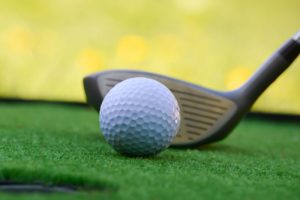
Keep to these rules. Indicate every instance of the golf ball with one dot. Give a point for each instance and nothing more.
(139, 117)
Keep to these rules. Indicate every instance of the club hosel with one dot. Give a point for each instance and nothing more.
(263, 77)
(269, 71)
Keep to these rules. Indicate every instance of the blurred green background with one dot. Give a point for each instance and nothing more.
(48, 46)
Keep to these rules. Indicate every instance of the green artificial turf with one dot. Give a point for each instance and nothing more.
(62, 144)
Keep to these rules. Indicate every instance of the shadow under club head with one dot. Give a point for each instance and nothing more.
(206, 115)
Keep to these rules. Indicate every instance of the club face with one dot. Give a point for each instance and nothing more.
(205, 114)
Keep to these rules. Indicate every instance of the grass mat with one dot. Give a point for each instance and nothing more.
(62, 144)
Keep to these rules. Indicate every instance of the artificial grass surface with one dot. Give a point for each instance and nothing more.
(61, 144)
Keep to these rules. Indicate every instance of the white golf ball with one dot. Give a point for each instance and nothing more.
(139, 117)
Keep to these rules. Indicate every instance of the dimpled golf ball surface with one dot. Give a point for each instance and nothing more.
(139, 117)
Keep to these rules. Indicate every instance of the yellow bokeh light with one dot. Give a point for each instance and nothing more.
(194, 6)
(90, 60)
(132, 49)
(236, 77)
(49, 43)
(20, 40)
(169, 48)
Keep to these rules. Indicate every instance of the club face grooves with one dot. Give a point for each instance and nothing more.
(202, 112)
(198, 121)
(195, 127)
(199, 102)
(195, 95)
(198, 115)
(200, 109)
(110, 85)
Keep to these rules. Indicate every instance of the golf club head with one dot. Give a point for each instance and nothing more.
(202, 110)
(206, 115)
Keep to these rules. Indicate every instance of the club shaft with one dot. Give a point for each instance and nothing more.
(271, 69)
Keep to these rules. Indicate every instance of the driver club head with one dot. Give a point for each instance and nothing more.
(206, 115)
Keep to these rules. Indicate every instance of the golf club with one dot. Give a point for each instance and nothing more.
(206, 115)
